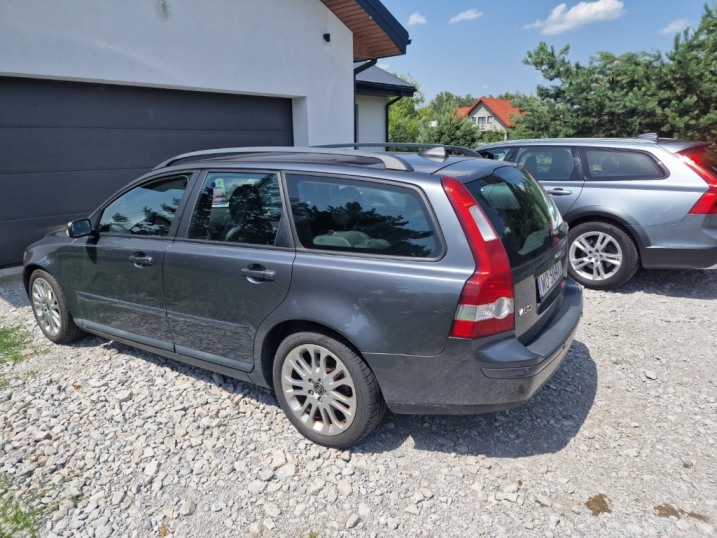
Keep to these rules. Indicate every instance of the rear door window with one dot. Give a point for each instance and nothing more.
(341, 214)
(549, 163)
(609, 164)
(520, 211)
(497, 154)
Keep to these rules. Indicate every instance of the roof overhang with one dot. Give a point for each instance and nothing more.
(377, 34)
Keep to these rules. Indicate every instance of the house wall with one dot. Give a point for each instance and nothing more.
(269, 48)
(371, 118)
(492, 124)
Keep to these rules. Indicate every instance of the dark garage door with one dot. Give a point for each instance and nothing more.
(66, 146)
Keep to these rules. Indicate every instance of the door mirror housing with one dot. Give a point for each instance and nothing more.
(79, 228)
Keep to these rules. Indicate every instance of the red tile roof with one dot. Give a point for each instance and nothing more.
(500, 108)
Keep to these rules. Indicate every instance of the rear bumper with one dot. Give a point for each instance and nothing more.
(479, 376)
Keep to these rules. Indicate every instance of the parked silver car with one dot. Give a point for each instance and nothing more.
(639, 202)
(348, 281)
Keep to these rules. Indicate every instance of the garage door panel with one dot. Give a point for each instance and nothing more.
(66, 146)
(88, 105)
(33, 150)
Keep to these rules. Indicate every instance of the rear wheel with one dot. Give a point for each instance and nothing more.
(326, 390)
(50, 309)
(602, 256)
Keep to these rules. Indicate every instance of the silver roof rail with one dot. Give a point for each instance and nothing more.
(390, 162)
(431, 151)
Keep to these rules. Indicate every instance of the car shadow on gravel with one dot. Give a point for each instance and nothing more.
(684, 284)
(546, 424)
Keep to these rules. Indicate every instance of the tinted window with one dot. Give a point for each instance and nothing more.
(361, 216)
(547, 163)
(520, 211)
(612, 164)
(497, 154)
(238, 207)
(145, 210)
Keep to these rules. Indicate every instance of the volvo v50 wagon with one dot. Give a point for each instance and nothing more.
(348, 281)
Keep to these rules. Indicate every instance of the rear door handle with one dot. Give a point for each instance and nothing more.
(139, 260)
(256, 272)
(559, 191)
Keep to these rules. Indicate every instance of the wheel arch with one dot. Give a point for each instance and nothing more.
(623, 221)
(273, 338)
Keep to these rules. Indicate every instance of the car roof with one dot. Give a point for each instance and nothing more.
(430, 161)
(671, 144)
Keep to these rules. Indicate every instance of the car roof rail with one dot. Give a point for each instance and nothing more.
(389, 161)
(648, 136)
(431, 151)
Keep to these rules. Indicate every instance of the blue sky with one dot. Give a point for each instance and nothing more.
(477, 47)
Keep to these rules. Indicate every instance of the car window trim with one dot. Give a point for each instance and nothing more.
(172, 233)
(441, 243)
(586, 168)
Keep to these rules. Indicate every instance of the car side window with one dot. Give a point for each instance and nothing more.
(148, 209)
(348, 215)
(497, 154)
(615, 165)
(238, 207)
(549, 163)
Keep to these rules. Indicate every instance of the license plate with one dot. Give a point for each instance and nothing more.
(548, 279)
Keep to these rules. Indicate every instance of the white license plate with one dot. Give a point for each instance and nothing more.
(549, 278)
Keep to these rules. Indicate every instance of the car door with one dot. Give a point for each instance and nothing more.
(229, 268)
(119, 285)
(557, 168)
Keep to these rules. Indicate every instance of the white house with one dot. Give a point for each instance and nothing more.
(95, 92)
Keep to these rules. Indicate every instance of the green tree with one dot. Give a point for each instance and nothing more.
(690, 90)
(628, 94)
(404, 118)
(451, 130)
(446, 104)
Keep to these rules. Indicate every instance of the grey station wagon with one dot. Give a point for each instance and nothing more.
(348, 281)
(630, 202)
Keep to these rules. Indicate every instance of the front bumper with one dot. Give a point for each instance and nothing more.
(479, 376)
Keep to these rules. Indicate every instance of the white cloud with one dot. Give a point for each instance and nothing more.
(416, 18)
(384, 66)
(468, 15)
(562, 19)
(675, 27)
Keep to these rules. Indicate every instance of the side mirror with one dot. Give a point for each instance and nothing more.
(79, 228)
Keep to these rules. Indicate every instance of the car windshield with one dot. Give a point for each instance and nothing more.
(520, 211)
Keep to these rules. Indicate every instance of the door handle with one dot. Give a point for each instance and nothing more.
(256, 272)
(559, 191)
(139, 260)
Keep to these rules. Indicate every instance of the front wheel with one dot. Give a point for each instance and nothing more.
(50, 309)
(601, 255)
(326, 390)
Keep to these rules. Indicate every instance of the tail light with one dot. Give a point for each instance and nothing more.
(486, 303)
(707, 204)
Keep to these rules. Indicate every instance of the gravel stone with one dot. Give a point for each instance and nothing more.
(105, 440)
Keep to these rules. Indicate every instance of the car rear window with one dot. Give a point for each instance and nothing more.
(361, 216)
(520, 211)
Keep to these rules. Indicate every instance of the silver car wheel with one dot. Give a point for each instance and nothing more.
(319, 389)
(46, 306)
(595, 255)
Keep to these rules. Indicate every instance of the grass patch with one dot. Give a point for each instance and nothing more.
(13, 348)
(13, 342)
(16, 520)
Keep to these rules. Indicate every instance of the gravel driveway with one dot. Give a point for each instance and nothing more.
(111, 441)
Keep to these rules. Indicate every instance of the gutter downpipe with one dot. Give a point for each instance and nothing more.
(357, 70)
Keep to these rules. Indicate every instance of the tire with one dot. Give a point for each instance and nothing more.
(50, 308)
(306, 366)
(601, 255)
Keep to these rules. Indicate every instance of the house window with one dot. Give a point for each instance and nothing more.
(481, 122)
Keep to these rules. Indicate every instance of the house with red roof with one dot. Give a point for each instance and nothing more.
(490, 114)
